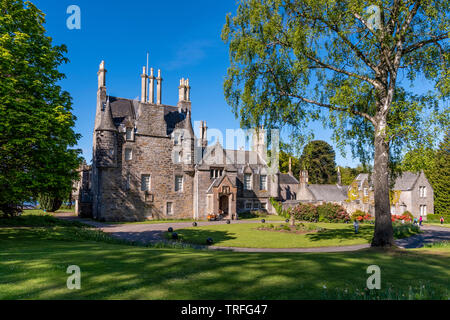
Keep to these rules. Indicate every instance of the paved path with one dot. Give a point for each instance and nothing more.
(150, 233)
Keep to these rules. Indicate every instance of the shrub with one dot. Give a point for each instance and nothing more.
(407, 217)
(252, 214)
(306, 212)
(49, 202)
(330, 212)
(437, 218)
(405, 230)
(361, 216)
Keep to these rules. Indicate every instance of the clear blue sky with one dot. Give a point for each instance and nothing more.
(183, 38)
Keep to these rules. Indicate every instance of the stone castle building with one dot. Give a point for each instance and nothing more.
(148, 164)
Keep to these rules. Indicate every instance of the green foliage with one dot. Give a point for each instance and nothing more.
(330, 212)
(36, 122)
(405, 230)
(49, 202)
(279, 209)
(437, 218)
(439, 177)
(306, 212)
(297, 61)
(319, 159)
(361, 216)
(348, 175)
(252, 214)
(284, 163)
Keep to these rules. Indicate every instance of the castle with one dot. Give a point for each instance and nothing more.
(148, 164)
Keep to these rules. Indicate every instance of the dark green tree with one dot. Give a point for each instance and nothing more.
(439, 177)
(318, 158)
(284, 163)
(293, 61)
(36, 122)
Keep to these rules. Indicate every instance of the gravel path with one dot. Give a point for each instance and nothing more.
(148, 233)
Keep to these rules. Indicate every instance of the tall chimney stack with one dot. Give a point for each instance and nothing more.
(151, 89)
(159, 88)
(143, 85)
(101, 75)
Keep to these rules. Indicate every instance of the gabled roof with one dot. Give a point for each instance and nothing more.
(218, 181)
(286, 178)
(328, 192)
(406, 181)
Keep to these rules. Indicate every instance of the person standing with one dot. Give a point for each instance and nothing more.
(420, 221)
(356, 225)
(442, 220)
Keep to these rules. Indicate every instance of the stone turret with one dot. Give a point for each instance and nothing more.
(106, 139)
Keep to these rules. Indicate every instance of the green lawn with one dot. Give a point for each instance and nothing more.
(34, 260)
(437, 224)
(33, 264)
(247, 235)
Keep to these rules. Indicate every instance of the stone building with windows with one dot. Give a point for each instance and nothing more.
(148, 164)
(411, 192)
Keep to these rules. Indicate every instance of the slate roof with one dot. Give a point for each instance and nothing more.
(406, 181)
(328, 192)
(124, 110)
(286, 178)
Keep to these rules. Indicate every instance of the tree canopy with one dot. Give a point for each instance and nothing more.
(36, 122)
(318, 158)
(293, 61)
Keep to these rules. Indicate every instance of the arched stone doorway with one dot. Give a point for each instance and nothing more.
(224, 205)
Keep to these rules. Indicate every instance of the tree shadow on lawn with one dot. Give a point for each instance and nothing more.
(199, 236)
(365, 232)
(111, 271)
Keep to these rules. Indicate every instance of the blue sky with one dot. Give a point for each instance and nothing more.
(183, 39)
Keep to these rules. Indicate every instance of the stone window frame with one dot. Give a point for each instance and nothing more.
(422, 192)
(261, 186)
(131, 136)
(171, 208)
(248, 205)
(256, 205)
(215, 172)
(176, 185)
(149, 182)
(263, 205)
(125, 153)
(250, 186)
(423, 210)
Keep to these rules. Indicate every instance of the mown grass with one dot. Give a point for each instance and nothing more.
(34, 260)
(33, 265)
(248, 235)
